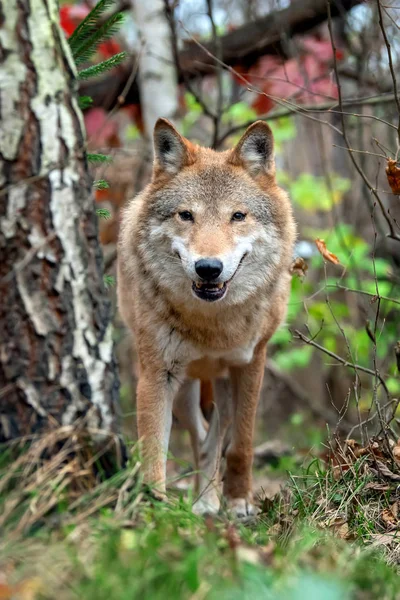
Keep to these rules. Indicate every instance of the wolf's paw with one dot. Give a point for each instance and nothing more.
(206, 506)
(240, 508)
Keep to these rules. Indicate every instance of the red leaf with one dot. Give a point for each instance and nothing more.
(71, 16)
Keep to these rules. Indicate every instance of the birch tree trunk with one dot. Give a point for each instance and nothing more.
(158, 86)
(56, 349)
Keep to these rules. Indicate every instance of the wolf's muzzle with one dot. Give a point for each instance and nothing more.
(208, 269)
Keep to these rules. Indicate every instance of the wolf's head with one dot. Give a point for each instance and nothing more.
(215, 226)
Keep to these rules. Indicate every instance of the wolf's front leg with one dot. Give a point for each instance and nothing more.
(155, 394)
(246, 382)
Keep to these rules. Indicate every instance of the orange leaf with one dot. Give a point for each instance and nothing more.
(329, 256)
(299, 267)
(393, 175)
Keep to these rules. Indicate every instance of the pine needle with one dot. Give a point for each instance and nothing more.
(103, 213)
(98, 158)
(101, 184)
(88, 25)
(106, 65)
(84, 102)
(106, 31)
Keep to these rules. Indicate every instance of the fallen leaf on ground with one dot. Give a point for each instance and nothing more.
(393, 175)
(275, 529)
(386, 472)
(384, 539)
(396, 452)
(327, 255)
(378, 487)
(389, 516)
(26, 590)
(340, 527)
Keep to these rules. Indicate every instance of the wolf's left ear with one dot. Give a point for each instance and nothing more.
(171, 150)
(255, 150)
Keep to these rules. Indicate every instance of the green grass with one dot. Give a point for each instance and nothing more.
(170, 553)
(106, 538)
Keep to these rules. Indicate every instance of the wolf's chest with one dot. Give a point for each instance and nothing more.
(237, 356)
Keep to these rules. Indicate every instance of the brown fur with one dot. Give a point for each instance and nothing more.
(180, 338)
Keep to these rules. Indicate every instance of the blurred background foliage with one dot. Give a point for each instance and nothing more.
(348, 309)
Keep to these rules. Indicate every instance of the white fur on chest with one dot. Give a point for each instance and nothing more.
(236, 357)
(178, 352)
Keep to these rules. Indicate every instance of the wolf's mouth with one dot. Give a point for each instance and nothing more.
(209, 291)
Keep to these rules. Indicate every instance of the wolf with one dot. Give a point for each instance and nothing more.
(204, 257)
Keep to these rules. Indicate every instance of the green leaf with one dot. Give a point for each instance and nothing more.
(98, 158)
(313, 194)
(238, 113)
(292, 359)
(106, 65)
(101, 184)
(84, 102)
(105, 32)
(284, 130)
(103, 213)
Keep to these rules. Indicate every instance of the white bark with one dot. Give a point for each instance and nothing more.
(56, 347)
(157, 73)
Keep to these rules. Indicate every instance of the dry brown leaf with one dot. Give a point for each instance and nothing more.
(276, 529)
(26, 590)
(393, 175)
(340, 527)
(396, 452)
(339, 468)
(327, 255)
(343, 531)
(267, 552)
(378, 487)
(299, 267)
(389, 518)
(384, 539)
(386, 472)
(356, 449)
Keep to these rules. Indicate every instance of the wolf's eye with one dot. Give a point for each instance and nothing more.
(185, 215)
(238, 216)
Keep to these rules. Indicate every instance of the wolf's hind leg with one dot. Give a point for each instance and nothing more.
(188, 412)
(211, 450)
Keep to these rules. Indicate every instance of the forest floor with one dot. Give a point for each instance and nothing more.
(70, 531)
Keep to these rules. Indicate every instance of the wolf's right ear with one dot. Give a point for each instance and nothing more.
(172, 151)
(255, 150)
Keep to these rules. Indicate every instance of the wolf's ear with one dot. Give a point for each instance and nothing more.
(255, 150)
(172, 151)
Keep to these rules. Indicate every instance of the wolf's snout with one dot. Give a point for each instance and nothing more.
(208, 268)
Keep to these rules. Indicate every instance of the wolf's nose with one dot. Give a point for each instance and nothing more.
(209, 268)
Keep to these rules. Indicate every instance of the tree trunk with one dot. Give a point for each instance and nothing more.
(157, 74)
(56, 349)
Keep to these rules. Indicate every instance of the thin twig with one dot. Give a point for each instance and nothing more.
(391, 66)
(392, 233)
(169, 11)
(374, 296)
(342, 360)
